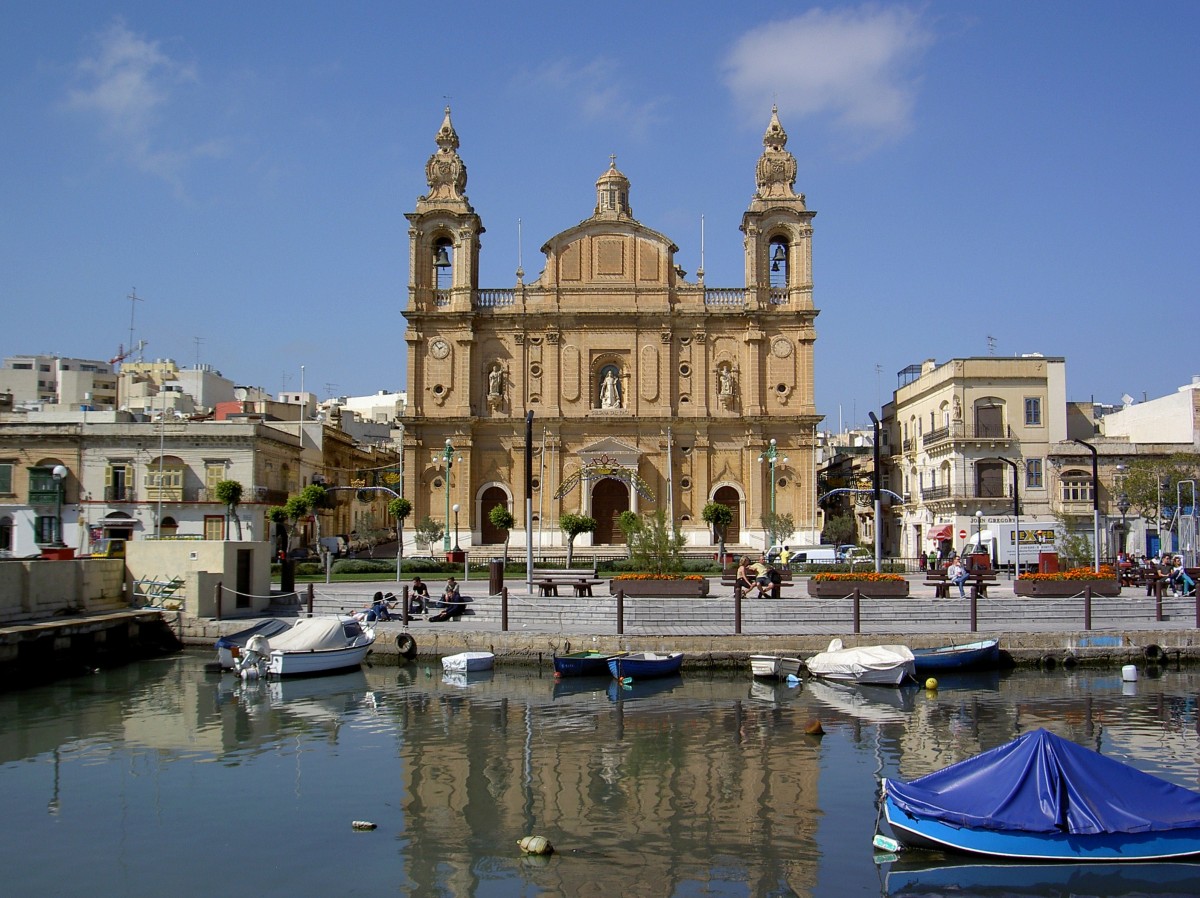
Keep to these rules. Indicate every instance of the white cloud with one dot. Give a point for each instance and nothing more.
(127, 83)
(854, 67)
(597, 92)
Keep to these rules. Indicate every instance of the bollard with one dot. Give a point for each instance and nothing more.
(620, 612)
(1158, 593)
(737, 609)
(503, 609)
(1087, 607)
(404, 602)
(219, 591)
(974, 610)
(310, 600)
(857, 611)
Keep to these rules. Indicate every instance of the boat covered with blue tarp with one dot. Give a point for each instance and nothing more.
(1044, 797)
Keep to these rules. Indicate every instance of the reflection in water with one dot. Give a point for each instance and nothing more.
(699, 784)
(916, 879)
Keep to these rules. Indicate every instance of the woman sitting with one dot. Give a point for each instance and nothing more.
(744, 580)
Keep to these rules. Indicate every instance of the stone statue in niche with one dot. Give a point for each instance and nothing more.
(725, 385)
(610, 391)
(495, 393)
(957, 409)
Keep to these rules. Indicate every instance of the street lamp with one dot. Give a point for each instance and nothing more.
(771, 456)
(876, 474)
(1016, 515)
(448, 460)
(59, 473)
(1095, 502)
(456, 548)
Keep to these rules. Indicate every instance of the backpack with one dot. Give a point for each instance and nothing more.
(774, 576)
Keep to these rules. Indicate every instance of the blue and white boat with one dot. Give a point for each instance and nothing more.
(979, 655)
(583, 664)
(645, 665)
(1042, 797)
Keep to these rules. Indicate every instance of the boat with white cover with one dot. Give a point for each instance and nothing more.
(312, 646)
(466, 662)
(878, 665)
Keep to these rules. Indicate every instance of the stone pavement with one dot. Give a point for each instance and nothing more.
(1125, 627)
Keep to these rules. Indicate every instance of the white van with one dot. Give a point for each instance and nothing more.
(813, 555)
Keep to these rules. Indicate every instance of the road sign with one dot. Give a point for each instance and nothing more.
(962, 534)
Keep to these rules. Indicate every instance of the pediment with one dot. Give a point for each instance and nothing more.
(612, 451)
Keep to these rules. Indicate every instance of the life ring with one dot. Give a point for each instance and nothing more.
(1069, 662)
(406, 645)
(1154, 653)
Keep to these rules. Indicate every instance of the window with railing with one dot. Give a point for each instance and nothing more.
(43, 488)
(118, 482)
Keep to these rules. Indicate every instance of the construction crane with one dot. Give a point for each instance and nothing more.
(123, 353)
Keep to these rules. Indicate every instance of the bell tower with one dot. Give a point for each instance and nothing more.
(778, 228)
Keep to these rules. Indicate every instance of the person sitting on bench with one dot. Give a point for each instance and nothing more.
(418, 597)
(452, 603)
(743, 579)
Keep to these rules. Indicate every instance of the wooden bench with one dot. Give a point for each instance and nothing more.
(729, 578)
(581, 581)
(940, 583)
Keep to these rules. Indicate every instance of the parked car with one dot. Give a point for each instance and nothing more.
(108, 548)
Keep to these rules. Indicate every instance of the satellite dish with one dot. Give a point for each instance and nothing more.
(1127, 400)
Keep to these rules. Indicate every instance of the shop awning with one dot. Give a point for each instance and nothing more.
(946, 531)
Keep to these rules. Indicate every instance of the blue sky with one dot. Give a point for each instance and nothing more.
(989, 177)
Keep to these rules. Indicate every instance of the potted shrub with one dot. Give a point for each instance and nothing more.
(1065, 584)
(868, 583)
(659, 585)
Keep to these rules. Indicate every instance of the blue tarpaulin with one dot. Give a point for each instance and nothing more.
(1044, 783)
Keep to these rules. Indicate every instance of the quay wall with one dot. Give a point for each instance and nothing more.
(36, 590)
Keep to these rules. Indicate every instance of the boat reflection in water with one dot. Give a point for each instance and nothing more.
(620, 691)
(927, 879)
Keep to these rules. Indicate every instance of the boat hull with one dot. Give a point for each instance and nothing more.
(949, 658)
(921, 832)
(583, 664)
(777, 666)
(468, 662)
(317, 661)
(230, 648)
(645, 665)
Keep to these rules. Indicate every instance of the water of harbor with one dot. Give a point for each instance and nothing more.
(161, 778)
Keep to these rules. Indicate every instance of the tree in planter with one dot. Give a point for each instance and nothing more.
(573, 525)
(278, 516)
(427, 532)
(399, 508)
(1075, 544)
(719, 517)
(840, 529)
(229, 493)
(629, 523)
(315, 497)
(777, 525)
(502, 519)
(657, 546)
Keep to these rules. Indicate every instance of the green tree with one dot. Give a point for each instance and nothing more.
(840, 529)
(278, 516)
(502, 519)
(719, 517)
(778, 526)
(1151, 483)
(1075, 545)
(573, 525)
(399, 508)
(629, 523)
(427, 532)
(657, 546)
(229, 493)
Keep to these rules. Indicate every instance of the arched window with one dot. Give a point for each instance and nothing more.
(1076, 486)
(443, 264)
(778, 254)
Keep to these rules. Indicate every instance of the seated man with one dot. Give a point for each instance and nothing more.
(762, 575)
(418, 597)
(452, 603)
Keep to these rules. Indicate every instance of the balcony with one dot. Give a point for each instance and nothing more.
(960, 430)
(120, 494)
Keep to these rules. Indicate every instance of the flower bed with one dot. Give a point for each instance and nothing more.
(870, 584)
(647, 585)
(1064, 584)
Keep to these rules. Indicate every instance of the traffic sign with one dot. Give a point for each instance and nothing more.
(962, 534)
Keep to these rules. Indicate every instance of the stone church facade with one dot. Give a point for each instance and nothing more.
(648, 391)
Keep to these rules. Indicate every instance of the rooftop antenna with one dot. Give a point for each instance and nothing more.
(197, 341)
(329, 388)
(878, 371)
(991, 341)
(520, 263)
(700, 273)
(133, 300)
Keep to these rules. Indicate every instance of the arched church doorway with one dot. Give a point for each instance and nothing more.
(609, 498)
(729, 497)
(489, 532)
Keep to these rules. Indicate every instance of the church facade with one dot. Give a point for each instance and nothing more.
(648, 391)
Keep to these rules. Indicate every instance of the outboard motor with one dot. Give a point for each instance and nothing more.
(253, 662)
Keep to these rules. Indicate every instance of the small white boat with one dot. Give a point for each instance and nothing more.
(878, 665)
(778, 666)
(230, 648)
(312, 646)
(466, 662)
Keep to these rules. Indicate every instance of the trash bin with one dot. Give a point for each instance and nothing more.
(1047, 562)
(495, 576)
(287, 575)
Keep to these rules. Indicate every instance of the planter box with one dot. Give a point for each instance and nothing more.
(692, 589)
(1064, 589)
(837, 589)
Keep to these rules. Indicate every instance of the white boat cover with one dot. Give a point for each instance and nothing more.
(860, 664)
(314, 633)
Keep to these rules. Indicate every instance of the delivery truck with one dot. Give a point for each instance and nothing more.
(1000, 537)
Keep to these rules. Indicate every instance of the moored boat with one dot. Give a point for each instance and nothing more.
(778, 666)
(966, 656)
(583, 664)
(468, 662)
(230, 648)
(311, 646)
(645, 665)
(877, 665)
(1042, 797)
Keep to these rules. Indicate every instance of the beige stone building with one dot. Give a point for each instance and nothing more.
(648, 390)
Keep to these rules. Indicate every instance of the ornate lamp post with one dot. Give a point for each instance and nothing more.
(456, 548)
(771, 456)
(448, 460)
(59, 473)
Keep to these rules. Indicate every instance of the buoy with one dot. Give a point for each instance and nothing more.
(931, 684)
(814, 728)
(535, 845)
(362, 825)
(1129, 673)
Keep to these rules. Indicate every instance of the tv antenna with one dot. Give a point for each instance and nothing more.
(134, 299)
(991, 341)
